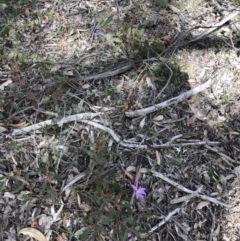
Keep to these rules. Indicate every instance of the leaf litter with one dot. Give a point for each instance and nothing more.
(64, 60)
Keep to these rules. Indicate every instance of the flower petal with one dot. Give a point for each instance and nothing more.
(134, 188)
(140, 192)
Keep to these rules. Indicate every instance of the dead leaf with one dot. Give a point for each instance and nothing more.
(158, 118)
(191, 120)
(142, 123)
(5, 84)
(85, 207)
(192, 99)
(2, 129)
(150, 83)
(133, 169)
(85, 86)
(34, 224)
(129, 175)
(48, 5)
(20, 125)
(33, 233)
(173, 116)
(203, 204)
(120, 86)
(216, 231)
(59, 238)
(158, 158)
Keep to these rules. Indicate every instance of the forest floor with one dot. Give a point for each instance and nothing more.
(97, 96)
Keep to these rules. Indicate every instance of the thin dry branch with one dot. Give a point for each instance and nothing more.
(213, 29)
(222, 155)
(84, 118)
(184, 189)
(109, 73)
(42, 124)
(165, 220)
(173, 101)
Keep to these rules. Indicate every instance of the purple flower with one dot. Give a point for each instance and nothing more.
(140, 192)
(95, 34)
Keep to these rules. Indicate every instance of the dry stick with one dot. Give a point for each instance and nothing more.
(75, 179)
(165, 219)
(212, 29)
(213, 224)
(184, 189)
(118, 140)
(224, 157)
(109, 73)
(82, 118)
(168, 81)
(175, 100)
(199, 143)
(42, 124)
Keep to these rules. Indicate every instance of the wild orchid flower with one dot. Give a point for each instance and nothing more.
(139, 192)
(95, 34)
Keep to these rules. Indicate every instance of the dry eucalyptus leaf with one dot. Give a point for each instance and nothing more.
(85, 86)
(120, 86)
(150, 83)
(216, 231)
(8, 82)
(158, 158)
(158, 118)
(2, 129)
(33, 233)
(85, 207)
(20, 125)
(203, 204)
(142, 123)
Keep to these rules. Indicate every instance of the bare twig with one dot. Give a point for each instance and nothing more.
(197, 143)
(75, 179)
(175, 100)
(170, 77)
(42, 124)
(213, 224)
(184, 189)
(224, 157)
(119, 70)
(165, 220)
(212, 29)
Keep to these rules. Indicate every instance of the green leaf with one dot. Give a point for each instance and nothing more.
(1, 116)
(45, 158)
(109, 19)
(161, 3)
(76, 74)
(53, 194)
(85, 234)
(104, 221)
(12, 145)
(128, 220)
(141, 33)
(115, 39)
(2, 186)
(18, 187)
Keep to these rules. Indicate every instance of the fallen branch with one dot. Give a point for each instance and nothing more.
(84, 118)
(212, 29)
(42, 124)
(195, 193)
(75, 179)
(198, 143)
(118, 70)
(165, 220)
(173, 101)
(222, 155)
